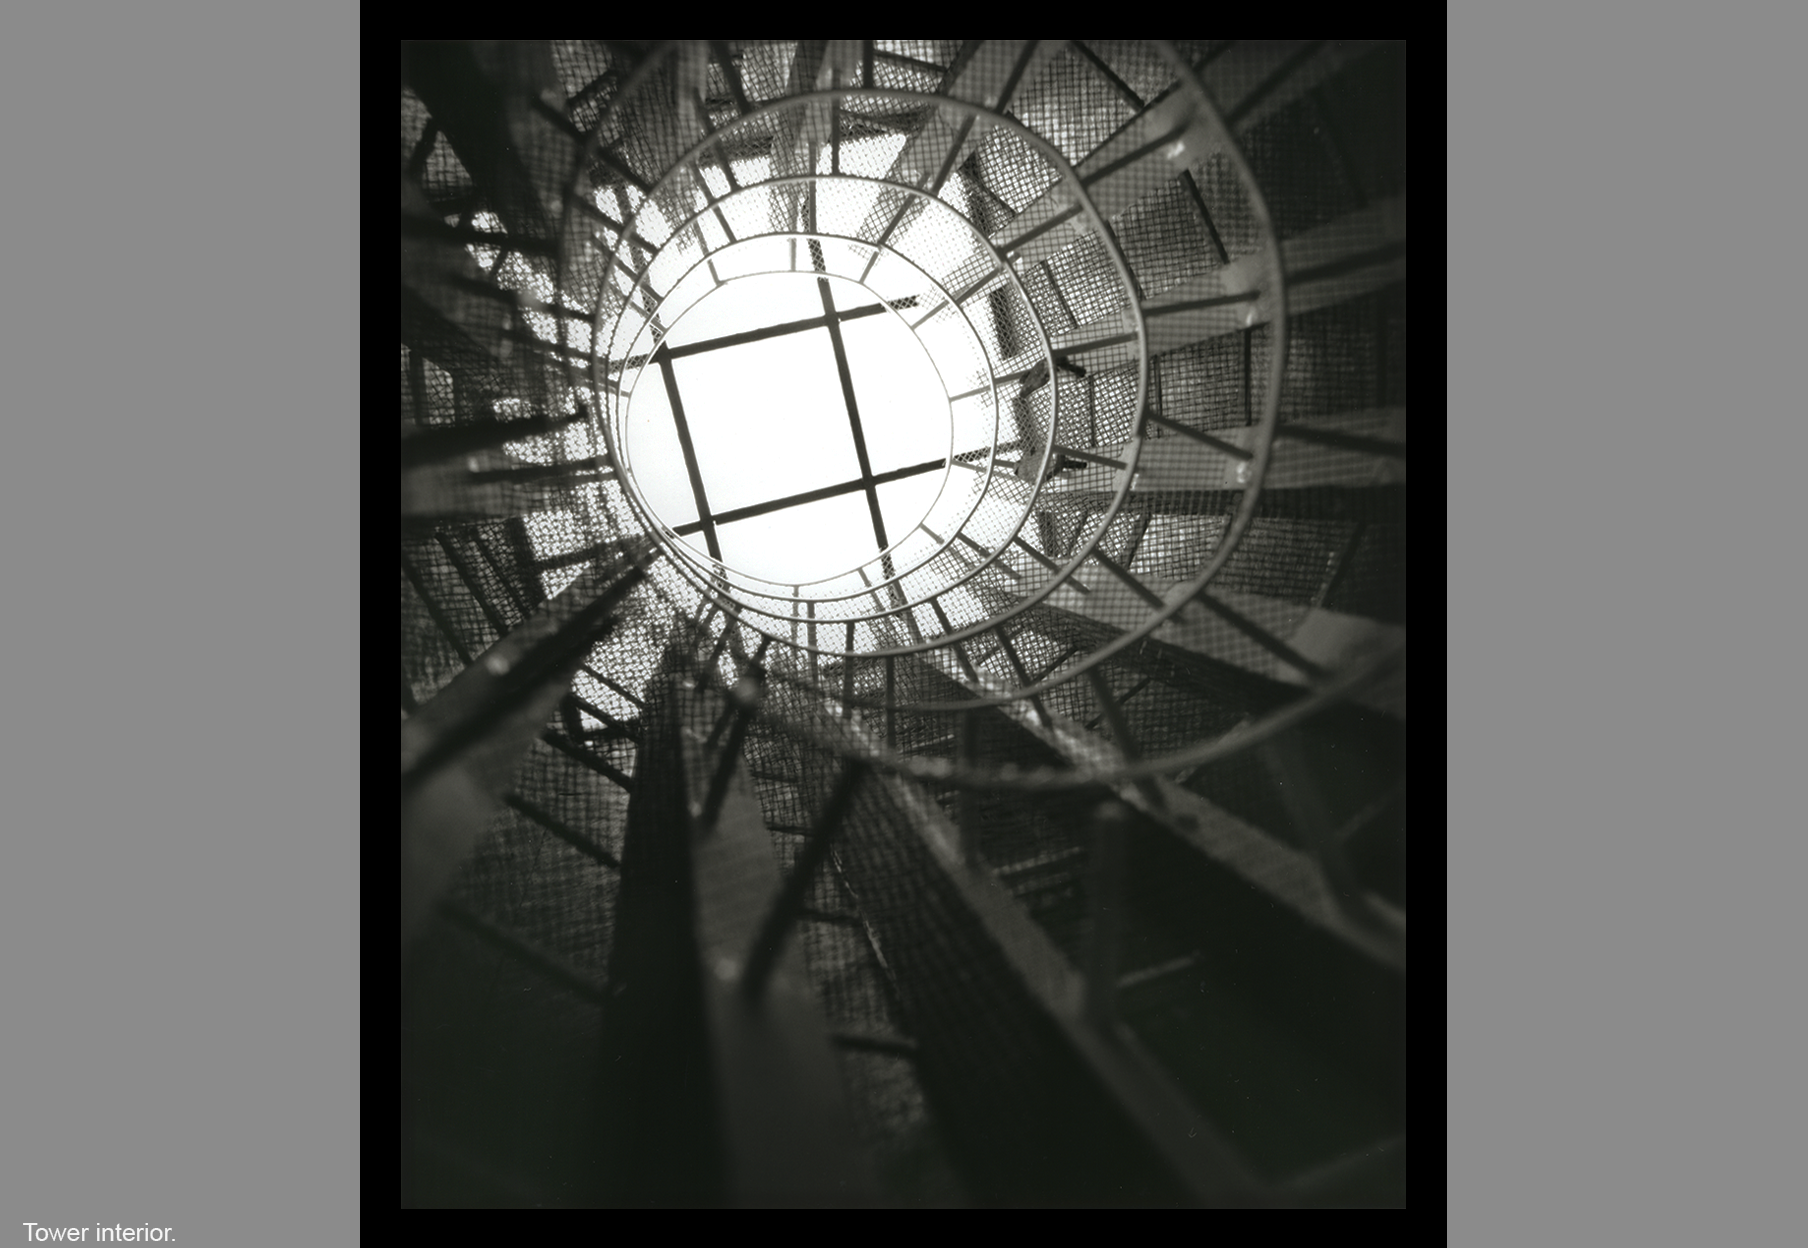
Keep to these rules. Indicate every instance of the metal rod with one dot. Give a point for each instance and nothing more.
(745, 696)
(732, 74)
(588, 469)
(1106, 460)
(863, 1042)
(596, 712)
(903, 211)
(1045, 561)
(1348, 264)
(1139, 530)
(1192, 305)
(548, 965)
(1342, 441)
(1264, 88)
(611, 684)
(690, 458)
(899, 58)
(1055, 287)
(929, 315)
(576, 840)
(470, 583)
(1205, 214)
(1340, 562)
(960, 137)
(1113, 715)
(1048, 671)
(935, 605)
(1000, 564)
(1134, 690)
(960, 653)
(433, 611)
(1261, 636)
(771, 331)
(589, 207)
(430, 228)
(715, 655)
(1134, 155)
(1017, 71)
(1023, 676)
(483, 696)
(588, 91)
(439, 442)
(1141, 590)
(1228, 448)
(601, 767)
(1109, 75)
(1059, 218)
(972, 290)
(770, 941)
(853, 409)
(560, 122)
(516, 601)
(622, 167)
(1095, 344)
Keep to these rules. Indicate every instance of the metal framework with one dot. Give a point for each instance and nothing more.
(1054, 854)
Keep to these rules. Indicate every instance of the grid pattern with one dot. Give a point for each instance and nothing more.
(1243, 998)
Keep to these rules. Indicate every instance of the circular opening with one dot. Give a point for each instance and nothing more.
(790, 426)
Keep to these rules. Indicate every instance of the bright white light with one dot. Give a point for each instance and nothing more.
(768, 420)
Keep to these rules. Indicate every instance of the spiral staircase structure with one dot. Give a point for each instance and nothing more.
(1054, 851)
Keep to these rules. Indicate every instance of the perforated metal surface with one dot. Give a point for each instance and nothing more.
(1162, 286)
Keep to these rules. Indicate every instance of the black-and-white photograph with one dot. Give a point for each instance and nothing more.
(903, 614)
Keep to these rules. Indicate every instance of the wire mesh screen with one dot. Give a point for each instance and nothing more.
(1160, 289)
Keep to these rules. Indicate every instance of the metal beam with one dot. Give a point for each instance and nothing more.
(765, 1122)
(439, 442)
(773, 331)
(1074, 1113)
(460, 749)
(814, 496)
(705, 521)
(474, 114)
(853, 410)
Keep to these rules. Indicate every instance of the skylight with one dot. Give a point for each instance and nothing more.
(791, 426)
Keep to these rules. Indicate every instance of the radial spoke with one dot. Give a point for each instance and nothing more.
(1058, 450)
(576, 840)
(1135, 586)
(1217, 444)
(705, 520)
(1261, 636)
(600, 766)
(1342, 441)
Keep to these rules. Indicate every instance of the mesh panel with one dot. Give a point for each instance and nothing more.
(1081, 257)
